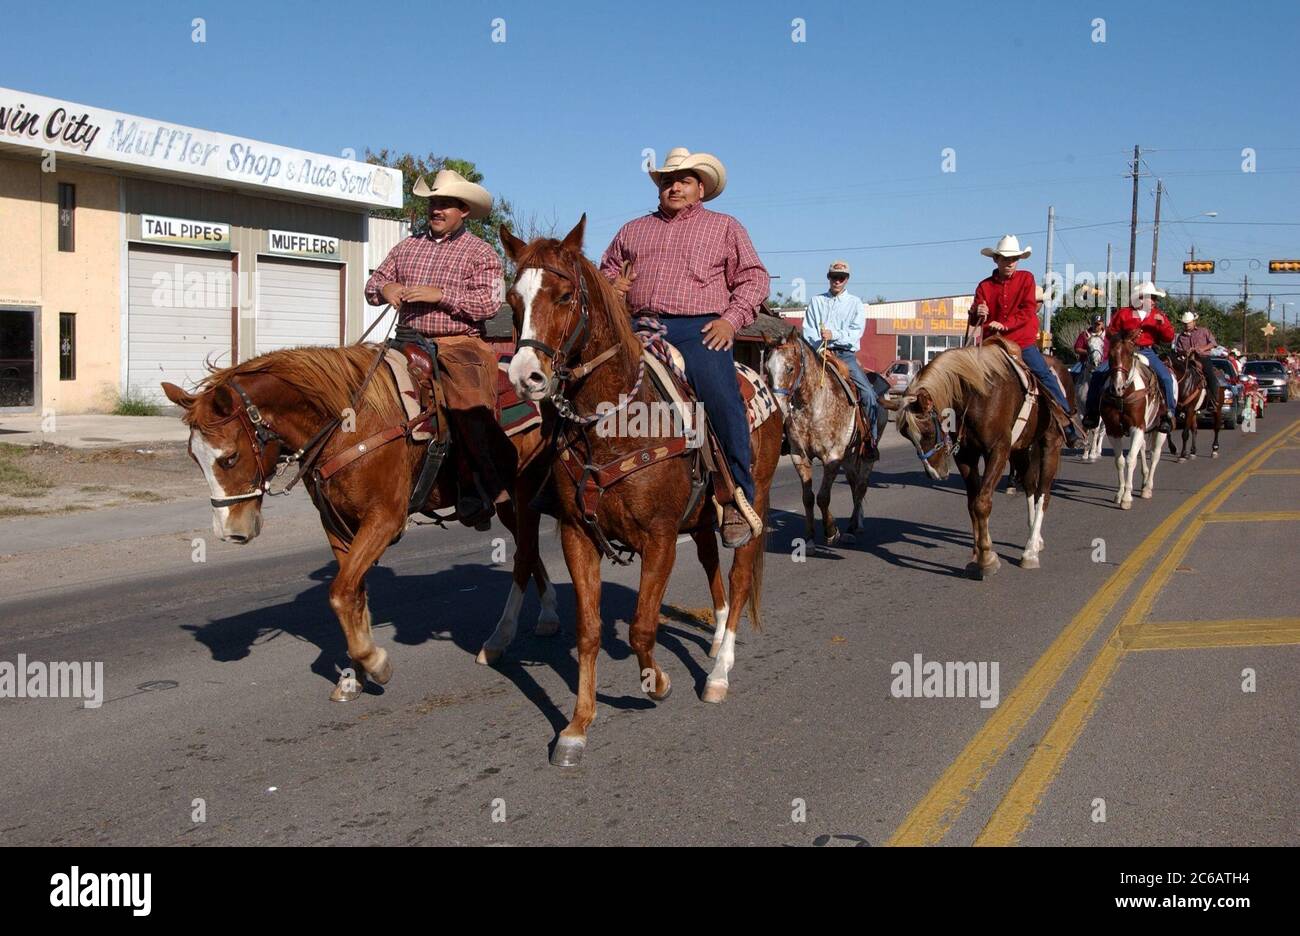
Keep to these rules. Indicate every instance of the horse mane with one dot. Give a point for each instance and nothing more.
(952, 375)
(326, 376)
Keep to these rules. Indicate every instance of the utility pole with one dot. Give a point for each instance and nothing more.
(1133, 223)
(1245, 301)
(1109, 284)
(1155, 234)
(1047, 280)
(1191, 282)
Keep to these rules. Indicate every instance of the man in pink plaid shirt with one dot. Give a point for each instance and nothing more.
(445, 283)
(697, 272)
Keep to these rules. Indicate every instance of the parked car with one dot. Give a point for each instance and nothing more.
(899, 374)
(1271, 376)
(1233, 405)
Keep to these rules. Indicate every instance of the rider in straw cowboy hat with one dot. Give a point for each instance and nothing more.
(1151, 325)
(445, 283)
(1197, 341)
(698, 273)
(838, 318)
(1006, 304)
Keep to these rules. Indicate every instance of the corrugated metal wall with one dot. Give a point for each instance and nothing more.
(249, 219)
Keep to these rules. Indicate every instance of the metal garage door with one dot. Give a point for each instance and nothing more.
(178, 308)
(297, 304)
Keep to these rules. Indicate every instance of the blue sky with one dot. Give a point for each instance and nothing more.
(831, 144)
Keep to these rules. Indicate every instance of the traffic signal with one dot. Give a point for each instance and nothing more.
(1198, 266)
(1284, 266)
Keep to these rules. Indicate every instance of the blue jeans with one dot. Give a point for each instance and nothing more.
(1035, 361)
(1098, 381)
(713, 378)
(866, 392)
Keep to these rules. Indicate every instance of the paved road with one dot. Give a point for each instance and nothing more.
(1120, 682)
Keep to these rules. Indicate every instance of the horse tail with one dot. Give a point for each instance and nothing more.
(756, 584)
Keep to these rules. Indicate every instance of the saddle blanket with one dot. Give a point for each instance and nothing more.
(760, 403)
(513, 414)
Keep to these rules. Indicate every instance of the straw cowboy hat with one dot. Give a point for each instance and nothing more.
(1189, 317)
(1008, 246)
(449, 183)
(712, 174)
(839, 266)
(1148, 289)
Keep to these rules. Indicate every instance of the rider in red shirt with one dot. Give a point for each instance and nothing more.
(1006, 305)
(1151, 326)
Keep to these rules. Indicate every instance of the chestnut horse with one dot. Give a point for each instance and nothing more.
(1132, 406)
(820, 423)
(589, 355)
(963, 406)
(1189, 380)
(247, 418)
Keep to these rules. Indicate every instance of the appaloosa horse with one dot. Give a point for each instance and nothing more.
(821, 423)
(1087, 367)
(1189, 382)
(1132, 405)
(969, 404)
(579, 352)
(291, 408)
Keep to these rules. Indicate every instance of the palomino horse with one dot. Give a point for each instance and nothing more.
(821, 423)
(1089, 365)
(968, 404)
(1189, 382)
(578, 350)
(275, 409)
(1132, 406)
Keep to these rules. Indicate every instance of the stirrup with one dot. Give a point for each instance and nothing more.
(751, 517)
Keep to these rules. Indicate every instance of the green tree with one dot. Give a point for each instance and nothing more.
(415, 210)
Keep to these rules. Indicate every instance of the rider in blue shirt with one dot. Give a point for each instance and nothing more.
(837, 318)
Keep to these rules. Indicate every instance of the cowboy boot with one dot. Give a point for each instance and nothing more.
(736, 531)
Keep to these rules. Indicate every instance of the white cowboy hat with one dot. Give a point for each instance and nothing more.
(1148, 289)
(839, 266)
(1189, 317)
(449, 183)
(1234, 353)
(712, 174)
(1008, 246)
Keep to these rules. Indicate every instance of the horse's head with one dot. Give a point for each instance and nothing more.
(1095, 344)
(785, 365)
(920, 422)
(1122, 353)
(223, 441)
(549, 309)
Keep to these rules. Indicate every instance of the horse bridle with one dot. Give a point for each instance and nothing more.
(798, 379)
(947, 446)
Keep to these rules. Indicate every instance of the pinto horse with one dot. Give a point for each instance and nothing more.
(246, 419)
(1132, 406)
(578, 351)
(968, 404)
(821, 423)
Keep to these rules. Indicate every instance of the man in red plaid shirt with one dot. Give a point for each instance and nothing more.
(445, 284)
(698, 273)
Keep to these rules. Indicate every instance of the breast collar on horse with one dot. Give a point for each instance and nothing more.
(262, 436)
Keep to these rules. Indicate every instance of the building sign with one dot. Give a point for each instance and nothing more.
(185, 232)
(942, 316)
(46, 124)
(315, 246)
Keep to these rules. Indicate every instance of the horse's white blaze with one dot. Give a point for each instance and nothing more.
(207, 457)
(720, 630)
(507, 625)
(526, 360)
(726, 657)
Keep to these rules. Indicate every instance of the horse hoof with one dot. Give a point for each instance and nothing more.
(1214, 454)
(347, 689)
(1146, 494)
(1181, 459)
(547, 627)
(568, 751)
(1029, 562)
(668, 690)
(488, 657)
(714, 692)
(1126, 504)
(991, 568)
(384, 671)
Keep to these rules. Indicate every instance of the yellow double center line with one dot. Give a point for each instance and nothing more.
(934, 816)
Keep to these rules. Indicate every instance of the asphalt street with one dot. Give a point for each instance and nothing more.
(1148, 688)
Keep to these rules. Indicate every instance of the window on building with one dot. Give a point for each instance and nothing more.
(67, 346)
(67, 216)
(905, 347)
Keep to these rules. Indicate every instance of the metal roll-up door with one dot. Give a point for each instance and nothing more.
(178, 316)
(297, 304)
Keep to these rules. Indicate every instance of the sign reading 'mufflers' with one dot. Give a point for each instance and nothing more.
(317, 246)
(49, 125)
(185, 232)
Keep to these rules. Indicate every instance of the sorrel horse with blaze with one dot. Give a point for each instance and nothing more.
(963, 407)
(246, 419)
(574, 322)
